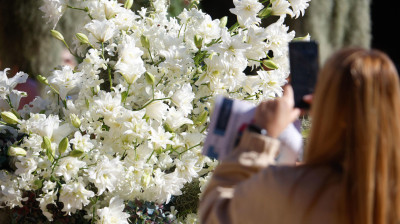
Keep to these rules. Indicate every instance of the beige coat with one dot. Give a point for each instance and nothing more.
(245, 188)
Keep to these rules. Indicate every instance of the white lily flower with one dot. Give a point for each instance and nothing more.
(246, 11)
(102, 31)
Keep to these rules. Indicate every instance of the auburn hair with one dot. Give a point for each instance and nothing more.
(356, 126)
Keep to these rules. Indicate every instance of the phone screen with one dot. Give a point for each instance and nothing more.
(304, 64)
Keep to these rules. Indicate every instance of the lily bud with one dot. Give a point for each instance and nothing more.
(128, 4)
(223, 21)
(168, 128)
(270, 64)
(198, 41)
(87, 103)
(305, 38)
(16, 113)
(57, 35)
(37, 184)
(82, 38)
(63, 145)
(95, 90)
(16, 151)
(42, 79)
(265, 12)
(50, 154)
(76, 153)
(46, 143)
(145, 41)
(149, 78)
(9, 117)
(76, 122)
(201, 118)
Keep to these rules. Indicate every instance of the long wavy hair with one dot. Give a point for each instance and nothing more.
(356, 126)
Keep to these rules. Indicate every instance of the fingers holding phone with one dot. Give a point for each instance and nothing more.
(276, 115)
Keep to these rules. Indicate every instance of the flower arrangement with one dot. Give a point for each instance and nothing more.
(127, 124)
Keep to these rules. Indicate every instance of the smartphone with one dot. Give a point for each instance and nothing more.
(304, 65)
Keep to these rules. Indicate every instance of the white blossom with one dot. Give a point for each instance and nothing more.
(8, 84)
(66, 81)
(106, 174)
(10, 194)
(49, 196)
(81, 142)
(157, 110)
(130, 64)
(53, 10)
(246, 11)
(113, 214)
(299, 6)
(281, 7)
(176, 119)
(183, 98)
(102, 30)
(272, 83)
(40, 124)
(160, 137)
(26, 165)
(74, 196)
(68, 168)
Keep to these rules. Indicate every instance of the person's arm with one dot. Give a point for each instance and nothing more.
(222, 199)
(238, 192)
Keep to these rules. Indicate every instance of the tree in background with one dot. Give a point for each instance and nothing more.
(25, 41)
(336, 24)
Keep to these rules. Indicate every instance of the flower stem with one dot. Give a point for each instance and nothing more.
(108, 67)
(151, 101)
(127, 94)
(159, 81)
(254, 60)
(110, 77)
(11, 125)
(189, 149)
(66, 45)
(9, 102)
(151, 57)
(94, 209)
(234, 27)
(148, 159)
(55, 163)
(81, 9)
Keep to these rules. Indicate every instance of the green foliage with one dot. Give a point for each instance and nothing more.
(176, 7)
(6, 140)
(25, 40)
(147, 212)
(31, 213)
(305, 129)
(187, 203)
(305, 126)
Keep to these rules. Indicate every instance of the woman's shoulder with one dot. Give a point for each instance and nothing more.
(296, 189)
(301, 178)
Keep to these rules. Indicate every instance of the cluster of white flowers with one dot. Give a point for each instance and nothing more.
(128, 122)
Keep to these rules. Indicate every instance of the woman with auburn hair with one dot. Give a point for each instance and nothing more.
(351, 169)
